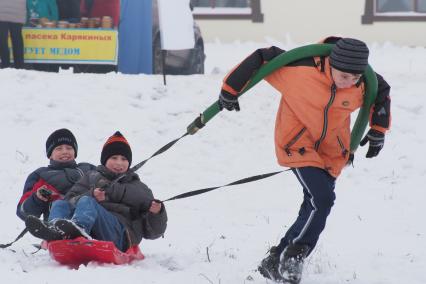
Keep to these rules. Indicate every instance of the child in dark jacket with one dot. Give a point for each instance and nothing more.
(109, 204)
(50, 183)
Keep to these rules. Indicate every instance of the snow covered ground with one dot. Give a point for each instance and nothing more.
(376, 233)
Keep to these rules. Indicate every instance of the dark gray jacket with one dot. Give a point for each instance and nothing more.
(14, 11)
(129, 199)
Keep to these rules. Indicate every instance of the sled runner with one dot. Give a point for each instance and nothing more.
(82, 251)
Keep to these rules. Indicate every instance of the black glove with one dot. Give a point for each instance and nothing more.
(376, 139)
(228, 101)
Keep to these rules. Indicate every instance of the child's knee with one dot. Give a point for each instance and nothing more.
(325, 201)
(60, 203)
(86, 200)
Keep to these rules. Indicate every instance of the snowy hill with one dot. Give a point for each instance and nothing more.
(375, 234)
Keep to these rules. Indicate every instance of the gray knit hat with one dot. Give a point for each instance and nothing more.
(349, 55)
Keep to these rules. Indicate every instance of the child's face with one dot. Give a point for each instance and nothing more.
(63, 153)
(117, 164)
(344, 80)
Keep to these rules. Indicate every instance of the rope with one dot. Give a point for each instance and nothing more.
(160, 151)
(17, 238)
(241, 181)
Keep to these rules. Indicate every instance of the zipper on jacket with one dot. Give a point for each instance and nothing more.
(344, 150)
(325, 124)
(294, 140)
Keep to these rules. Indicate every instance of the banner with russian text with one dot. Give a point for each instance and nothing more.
(70, 46)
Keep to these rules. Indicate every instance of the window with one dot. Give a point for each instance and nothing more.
(227, 9)
(394, 11)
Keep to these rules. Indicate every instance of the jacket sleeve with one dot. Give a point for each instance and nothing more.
(117, 208)
(380, 118)
(29, 204)
(80, 188)
(238, 78)
(154, 225)
(134, 194)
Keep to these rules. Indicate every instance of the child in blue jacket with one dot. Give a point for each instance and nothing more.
(47, 184)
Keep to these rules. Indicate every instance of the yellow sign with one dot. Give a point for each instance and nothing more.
(70, 46)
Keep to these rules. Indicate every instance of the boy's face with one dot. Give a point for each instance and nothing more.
(344, 80)
(63, 153)
(117, 164)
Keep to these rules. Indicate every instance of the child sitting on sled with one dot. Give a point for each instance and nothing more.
(50, 183)
(109, 204)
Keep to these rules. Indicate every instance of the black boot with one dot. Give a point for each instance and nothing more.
(291, 264)
(69, 229)
(269, 265)
(41, 229)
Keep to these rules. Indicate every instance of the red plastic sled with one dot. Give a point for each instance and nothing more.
(82, 251)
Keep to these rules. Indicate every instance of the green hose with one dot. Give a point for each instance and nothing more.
(290, 56)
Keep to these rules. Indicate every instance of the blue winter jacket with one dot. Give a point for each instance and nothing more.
(58, 177)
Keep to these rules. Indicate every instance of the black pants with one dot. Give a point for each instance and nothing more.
(318, 198)
(15, 30)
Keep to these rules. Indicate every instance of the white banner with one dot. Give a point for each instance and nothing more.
(176, 24)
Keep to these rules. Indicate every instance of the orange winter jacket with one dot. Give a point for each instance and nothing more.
(313, 120)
